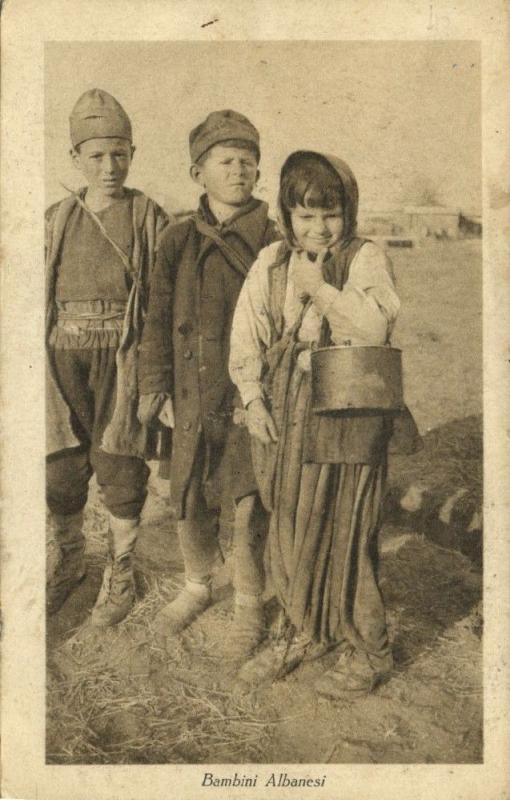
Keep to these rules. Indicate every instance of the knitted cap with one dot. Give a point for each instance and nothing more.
(218, 127)
(98, 115)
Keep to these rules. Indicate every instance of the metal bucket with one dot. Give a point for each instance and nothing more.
(357, 377)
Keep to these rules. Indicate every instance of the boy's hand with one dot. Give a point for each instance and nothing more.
(307, 274)
(260, 422)
(166, 415)
(149, 406)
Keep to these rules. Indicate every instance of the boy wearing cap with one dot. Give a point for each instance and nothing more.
(200, 268)
(100, 249)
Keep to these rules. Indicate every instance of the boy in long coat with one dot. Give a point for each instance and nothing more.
(100, 249)
(200, 268)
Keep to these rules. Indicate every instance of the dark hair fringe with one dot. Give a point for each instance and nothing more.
(312, 183)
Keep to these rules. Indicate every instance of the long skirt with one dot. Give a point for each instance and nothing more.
(322, 544)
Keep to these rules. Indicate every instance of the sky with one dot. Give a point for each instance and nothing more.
(406, 116)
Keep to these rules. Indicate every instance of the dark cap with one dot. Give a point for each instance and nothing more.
(98, 115)
(218, 127)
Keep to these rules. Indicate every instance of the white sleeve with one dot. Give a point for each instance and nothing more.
(251, 331)
(365, 311)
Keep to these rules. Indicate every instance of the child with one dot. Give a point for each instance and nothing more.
(100, 249)
(324, 478)
(199, 272)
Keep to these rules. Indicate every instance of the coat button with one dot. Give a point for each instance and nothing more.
(188, 354)
(187, 426)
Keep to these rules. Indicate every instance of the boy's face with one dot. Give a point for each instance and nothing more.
(317, 229)
(104, 163)
(228, 174)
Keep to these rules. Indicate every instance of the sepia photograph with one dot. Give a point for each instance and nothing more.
(255, 397)
(264, 410)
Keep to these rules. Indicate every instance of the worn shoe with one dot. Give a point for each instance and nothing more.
(65, 561)
(273, 662)
(66, 580)
(191, 601)
(117, 594)
(246, 631)
(353, 676)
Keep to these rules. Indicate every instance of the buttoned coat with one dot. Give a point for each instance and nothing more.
(185, 345)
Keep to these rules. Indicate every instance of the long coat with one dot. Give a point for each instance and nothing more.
(124, 435)
(186, 340)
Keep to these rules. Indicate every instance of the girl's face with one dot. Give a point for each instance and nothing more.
(317, 229)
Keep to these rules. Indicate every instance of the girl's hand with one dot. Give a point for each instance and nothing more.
(307, 274)
(260, 422)
(304, 361)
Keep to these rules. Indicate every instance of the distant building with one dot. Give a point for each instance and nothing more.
(420, 222)
(386, 222)
(436, 221)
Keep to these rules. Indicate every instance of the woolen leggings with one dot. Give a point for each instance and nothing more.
(198, 535)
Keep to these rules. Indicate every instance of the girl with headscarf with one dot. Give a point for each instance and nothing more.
(322, 477)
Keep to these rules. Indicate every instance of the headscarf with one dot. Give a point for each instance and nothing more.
(350, 190)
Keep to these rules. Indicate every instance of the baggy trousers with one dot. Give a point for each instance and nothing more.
(87, 378)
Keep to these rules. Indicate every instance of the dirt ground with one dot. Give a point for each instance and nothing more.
(116, 696)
